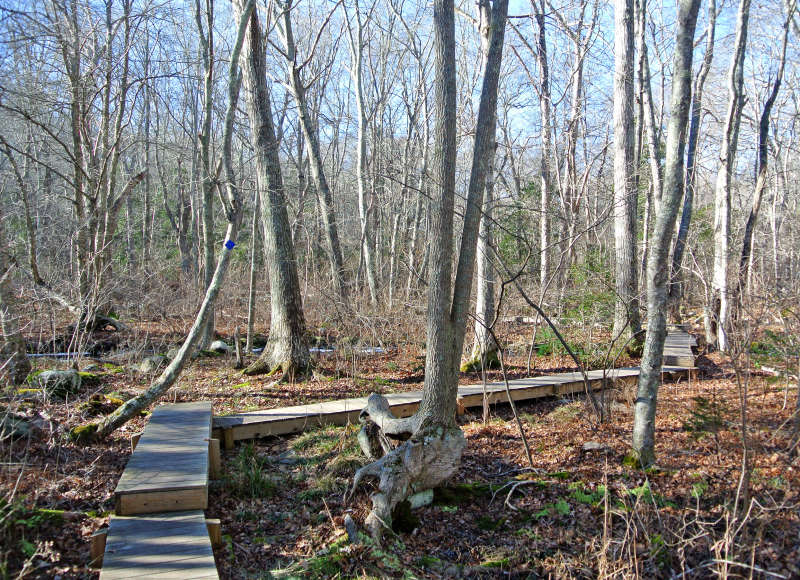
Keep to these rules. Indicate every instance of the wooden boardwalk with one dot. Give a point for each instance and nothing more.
(287, 420)
(168, 470)
(164, 546)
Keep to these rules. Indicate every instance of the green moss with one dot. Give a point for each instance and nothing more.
(90, 378)
(83, 433)
(496, 563)
(631, 460)
(101, 405)
(474, 364)
(241, 385)
(29, 393)
(112, 368)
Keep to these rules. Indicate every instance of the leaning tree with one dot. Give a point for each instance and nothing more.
(433, 444)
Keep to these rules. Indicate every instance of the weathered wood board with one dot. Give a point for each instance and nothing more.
(285, 420)
(163, 546)
(168, 471)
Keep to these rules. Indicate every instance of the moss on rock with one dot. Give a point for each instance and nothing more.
(83, 434)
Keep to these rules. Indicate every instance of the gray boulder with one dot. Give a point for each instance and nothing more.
(219, 346)
(59, 384)
(151, 364)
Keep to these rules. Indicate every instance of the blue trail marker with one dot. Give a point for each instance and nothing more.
(230, 245)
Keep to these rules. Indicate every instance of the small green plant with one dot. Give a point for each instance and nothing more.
(699, 488)
(249, 475)
(705, 418)
(583, 495)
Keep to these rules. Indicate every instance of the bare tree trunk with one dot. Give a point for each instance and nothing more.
(626, 312)
(433, 452)
(546, 178)
(720, 307)
(287, 347)
(14, 364)
(255, 235)
(763, 159)
(365, 196)
(657, 271)
(309, 129)
(207, 179)
(484, 345)
(675, 289)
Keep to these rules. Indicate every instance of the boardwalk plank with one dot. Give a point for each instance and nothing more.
(168, 471)
(158, 546)
(678, 359)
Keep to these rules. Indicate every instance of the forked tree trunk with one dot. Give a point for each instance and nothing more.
(658, 259)
(626, 311)
(761, 177)
(720, 300)
(433, 452)
(675, 290)
(287, 347)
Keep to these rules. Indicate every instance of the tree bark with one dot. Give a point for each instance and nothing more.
(14, 364)
(720, 306)
(287, 347)
(626, 311)
(657, 271)
(545, 172)
(433, 452)
(675, 289)
(762, 162)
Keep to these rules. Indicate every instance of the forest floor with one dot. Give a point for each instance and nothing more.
(575, 513)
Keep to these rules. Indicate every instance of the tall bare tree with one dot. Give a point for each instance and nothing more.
(626, 311)
(287, 347)
(658, 258)
(720, 301)
(691, 158)
(433, 452)
(762, 162)
(298, 87)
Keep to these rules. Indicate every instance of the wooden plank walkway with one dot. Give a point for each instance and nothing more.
(294, 419)
(168, 470)
(163, 546)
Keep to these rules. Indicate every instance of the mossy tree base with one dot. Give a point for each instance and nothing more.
(477, 363)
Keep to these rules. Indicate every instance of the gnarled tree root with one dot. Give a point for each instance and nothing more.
(431, 456)
(289, 369)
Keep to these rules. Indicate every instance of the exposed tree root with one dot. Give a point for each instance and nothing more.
(431, 456)
(292, 367)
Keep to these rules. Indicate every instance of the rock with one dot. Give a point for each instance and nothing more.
(101, 405)
(92, 368)
(351, 529)
(14, 426)
(421, 499)
(288, 458)
(173, 352)
(594, 446)
(58, 384)
(219, 346)
(151, 364)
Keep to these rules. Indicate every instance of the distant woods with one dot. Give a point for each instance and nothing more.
(112, 117)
